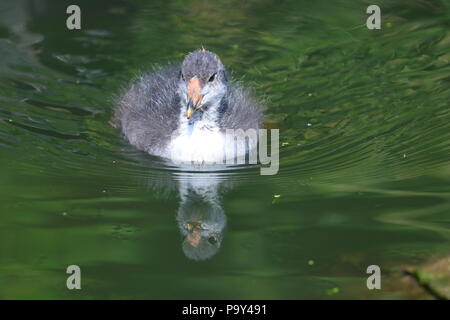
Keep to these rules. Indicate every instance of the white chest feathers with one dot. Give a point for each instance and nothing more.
(198, 146)
(204, 142)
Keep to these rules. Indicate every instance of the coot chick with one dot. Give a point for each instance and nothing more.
(182, 112)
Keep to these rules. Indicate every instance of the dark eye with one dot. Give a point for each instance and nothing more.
(211, 79)
(212, 240)
(181, 75)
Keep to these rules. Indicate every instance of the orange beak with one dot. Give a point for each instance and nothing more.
(194, 238)
(194, 97)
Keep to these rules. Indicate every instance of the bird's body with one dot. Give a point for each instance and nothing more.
(182, 112)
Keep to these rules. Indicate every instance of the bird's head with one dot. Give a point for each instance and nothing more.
(203, 81)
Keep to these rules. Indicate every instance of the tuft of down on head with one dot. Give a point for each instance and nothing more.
(202, 64)
(202, 84)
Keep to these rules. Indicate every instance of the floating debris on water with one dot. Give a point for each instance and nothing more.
(333, 291)
(275, 198)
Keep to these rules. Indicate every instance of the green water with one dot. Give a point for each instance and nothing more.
(364, 164)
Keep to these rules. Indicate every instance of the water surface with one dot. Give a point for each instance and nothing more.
(364, 164)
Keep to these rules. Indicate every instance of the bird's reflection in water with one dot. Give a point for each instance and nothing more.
(201, 218)
(200, 215)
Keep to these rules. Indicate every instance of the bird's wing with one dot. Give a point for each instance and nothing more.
(240, 110)
(148, 111)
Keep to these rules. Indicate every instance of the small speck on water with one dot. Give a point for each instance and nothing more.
(310, 94)
(309, 124)
(333, 291)
(10, 120)
(310, 262)
(275, 198)
(284, 144)
(404, 155)
(104, 191)
(64, 213)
